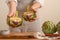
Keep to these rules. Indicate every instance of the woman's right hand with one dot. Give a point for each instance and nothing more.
(11, 15)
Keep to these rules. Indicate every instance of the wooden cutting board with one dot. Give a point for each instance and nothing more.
(20, 36)
(26, 35)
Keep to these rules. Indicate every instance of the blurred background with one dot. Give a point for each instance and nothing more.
(50, 11)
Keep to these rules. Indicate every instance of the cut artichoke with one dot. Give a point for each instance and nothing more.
(15, 21)
(29, 15)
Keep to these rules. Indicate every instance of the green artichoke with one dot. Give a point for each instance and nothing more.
(29, 14)
(58, 27)
(15, 21)
(48, 27)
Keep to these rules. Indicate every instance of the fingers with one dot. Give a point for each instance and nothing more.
(33, 9)
(10, 15)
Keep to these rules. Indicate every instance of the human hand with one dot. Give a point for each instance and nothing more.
(36, 6)
(34, 10)
(11, 15)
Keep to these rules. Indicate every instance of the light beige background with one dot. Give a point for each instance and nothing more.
(50, 11)
(3, 14)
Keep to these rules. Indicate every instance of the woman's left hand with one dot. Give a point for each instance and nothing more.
(34, 10)
(36, 6)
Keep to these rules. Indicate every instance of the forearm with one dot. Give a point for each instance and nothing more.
(12, 6)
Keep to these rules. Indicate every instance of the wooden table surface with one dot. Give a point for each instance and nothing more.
(20, 36)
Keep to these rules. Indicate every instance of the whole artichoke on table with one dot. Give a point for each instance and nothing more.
(29, 14)
(58, 27)
(15, 21)
(48, 27)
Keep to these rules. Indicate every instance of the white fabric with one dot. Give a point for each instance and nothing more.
(11, 0)
(40, 1)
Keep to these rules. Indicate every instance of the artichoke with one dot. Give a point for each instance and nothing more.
(15, 21)
(48, 27)
(29, 15)
(58, 27)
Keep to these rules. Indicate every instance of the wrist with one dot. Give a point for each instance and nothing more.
(36, 5)
(33, 8)
(12, 12)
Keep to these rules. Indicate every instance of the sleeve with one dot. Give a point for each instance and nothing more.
(11, 0)
(40, 1)
(7, 1)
